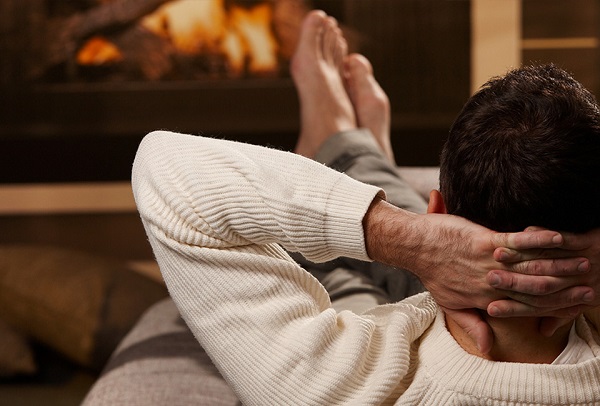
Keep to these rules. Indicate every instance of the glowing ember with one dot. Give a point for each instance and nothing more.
(98, 51)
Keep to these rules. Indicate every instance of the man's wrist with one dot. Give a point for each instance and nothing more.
(391, 234)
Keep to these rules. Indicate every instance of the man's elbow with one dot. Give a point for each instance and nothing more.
(145, 163)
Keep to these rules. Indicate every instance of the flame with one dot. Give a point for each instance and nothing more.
(98, 51)
(233, 47)
(191, 25)
(254, 28)
(244, 36)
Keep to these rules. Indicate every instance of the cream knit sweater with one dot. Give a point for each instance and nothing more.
(218, 213)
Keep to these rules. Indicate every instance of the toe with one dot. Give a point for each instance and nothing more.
(311, 29)
(358, 66)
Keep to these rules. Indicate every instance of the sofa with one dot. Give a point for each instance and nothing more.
(79, 323)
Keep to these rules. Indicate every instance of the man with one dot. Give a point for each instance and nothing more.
(525, 150)
(217, 214)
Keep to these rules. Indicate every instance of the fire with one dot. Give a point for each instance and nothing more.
(242, 36)
(98, 51)
(191, 25)
(258, 43)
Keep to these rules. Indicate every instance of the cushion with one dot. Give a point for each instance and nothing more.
(160, 363)
(76, 303)
(16, 356)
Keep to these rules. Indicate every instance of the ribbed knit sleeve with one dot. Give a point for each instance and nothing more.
(217, 214)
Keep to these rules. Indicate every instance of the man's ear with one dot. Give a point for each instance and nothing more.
(436, 203)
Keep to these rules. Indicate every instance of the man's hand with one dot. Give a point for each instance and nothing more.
(454, 258)
(562, 293)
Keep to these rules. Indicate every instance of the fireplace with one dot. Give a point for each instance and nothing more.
(84, 80)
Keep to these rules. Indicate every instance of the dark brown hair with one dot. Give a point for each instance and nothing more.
(525, 150)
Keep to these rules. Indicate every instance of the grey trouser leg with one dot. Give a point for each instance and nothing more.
(357, 154)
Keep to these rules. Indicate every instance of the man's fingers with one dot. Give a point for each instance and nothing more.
(527, 284)
(528, 239)
(536, 242)
(536, 283)
(577, 295)
(551, 267)
(513, 308)
(475, 327)
(554, 267)
(507, 255)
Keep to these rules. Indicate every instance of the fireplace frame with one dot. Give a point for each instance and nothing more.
(233, 106)
(419, 49)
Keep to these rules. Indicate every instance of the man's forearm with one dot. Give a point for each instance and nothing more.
(389, 237)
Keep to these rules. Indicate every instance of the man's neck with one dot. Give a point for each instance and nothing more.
(515, 340)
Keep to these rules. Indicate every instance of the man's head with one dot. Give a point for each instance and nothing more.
(525, 150)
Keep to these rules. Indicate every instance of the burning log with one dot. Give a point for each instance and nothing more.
(65, 35)
(137, 53)
(157, 39)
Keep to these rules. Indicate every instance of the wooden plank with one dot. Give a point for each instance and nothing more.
(559, 43)
(560, 19)
(107, 197)
(496, 39)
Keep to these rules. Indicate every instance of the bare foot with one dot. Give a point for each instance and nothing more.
(325, 107)
(371, 104)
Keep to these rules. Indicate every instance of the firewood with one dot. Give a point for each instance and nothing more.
(146, 55)
(65, 35)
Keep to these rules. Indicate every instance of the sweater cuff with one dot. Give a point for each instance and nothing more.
(348, 203)
(342, 149)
